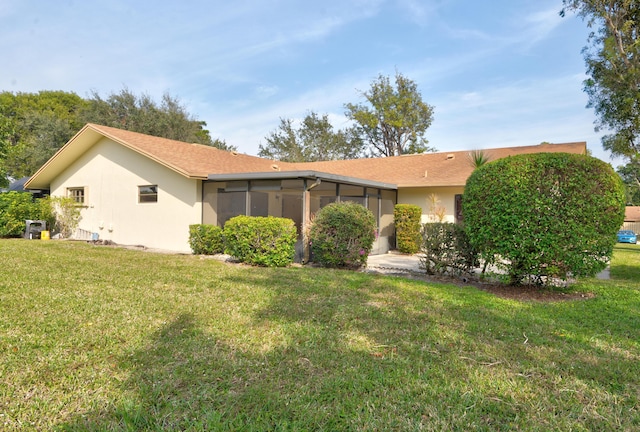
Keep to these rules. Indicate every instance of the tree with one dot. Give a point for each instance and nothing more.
(5, 132)
(394, 120)
(222, 145)
(630, 174)
(43, 134)
(125, 110)
(613, 66)
(314, 140)
(544, 215)
(34, 126)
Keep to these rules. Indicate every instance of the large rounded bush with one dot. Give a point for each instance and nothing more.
(342, 235)
(544, 215)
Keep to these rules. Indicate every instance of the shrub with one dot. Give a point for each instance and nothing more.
(264, 241)
(342, 235)
(206, 239)
(66, 213)
(15, 209)
(446, 249)
(406, 218)
(544, 215)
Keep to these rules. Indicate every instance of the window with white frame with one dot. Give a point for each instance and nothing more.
(148, 194)
(77, 194)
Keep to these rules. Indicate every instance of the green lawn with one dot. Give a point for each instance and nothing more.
(101, 338)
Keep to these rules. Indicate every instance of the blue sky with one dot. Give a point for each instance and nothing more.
(498, 73)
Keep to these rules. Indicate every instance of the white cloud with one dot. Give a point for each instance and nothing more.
(539, 25)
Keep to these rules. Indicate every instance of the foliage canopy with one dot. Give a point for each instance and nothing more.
(613, 66)
(544, 215)
(33, 126)
(630, 174)
(314, 140)
(394, 119)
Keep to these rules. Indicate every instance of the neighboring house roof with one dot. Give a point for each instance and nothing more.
(18, 185)
(199, 161)
(632, 214)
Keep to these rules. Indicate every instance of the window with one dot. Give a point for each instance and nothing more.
(231, 204)
(77, 194)
(259, 203)
(148, 194)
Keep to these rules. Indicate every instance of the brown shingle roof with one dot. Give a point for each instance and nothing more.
(198, 161)
(192, 160)
(429, 169)
(632, 214)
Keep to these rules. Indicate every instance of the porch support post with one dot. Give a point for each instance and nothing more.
(306, 223)
(306, 218)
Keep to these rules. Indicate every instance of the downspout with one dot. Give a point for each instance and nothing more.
(306, 218)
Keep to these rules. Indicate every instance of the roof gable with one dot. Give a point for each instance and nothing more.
(189, 160)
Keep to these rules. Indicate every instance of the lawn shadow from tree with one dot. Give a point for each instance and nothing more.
(348, 352)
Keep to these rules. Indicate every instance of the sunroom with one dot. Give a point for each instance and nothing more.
(297, 195)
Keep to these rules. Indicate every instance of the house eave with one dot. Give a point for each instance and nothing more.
(304, 174)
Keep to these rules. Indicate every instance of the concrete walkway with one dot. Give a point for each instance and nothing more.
(394, 262)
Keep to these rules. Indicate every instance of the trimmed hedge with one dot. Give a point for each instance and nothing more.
(406, 218)
(342, 235)
(544, 216)
(446, 249)
(206, 239)
(264, 241)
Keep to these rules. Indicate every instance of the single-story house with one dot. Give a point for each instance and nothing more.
(138, 189)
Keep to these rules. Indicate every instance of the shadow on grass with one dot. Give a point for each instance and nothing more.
(311, 376)
(625, 272)
(343, 351)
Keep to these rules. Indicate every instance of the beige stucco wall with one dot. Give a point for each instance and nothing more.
(420, 197)
(111, 174)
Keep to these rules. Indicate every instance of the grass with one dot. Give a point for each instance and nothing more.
(100, 338)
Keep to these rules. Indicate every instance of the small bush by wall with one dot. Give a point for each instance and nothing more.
(342, 235)
(446, 249)
(264, 241)
(63, 214)
(206, 239)
(407, 221)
